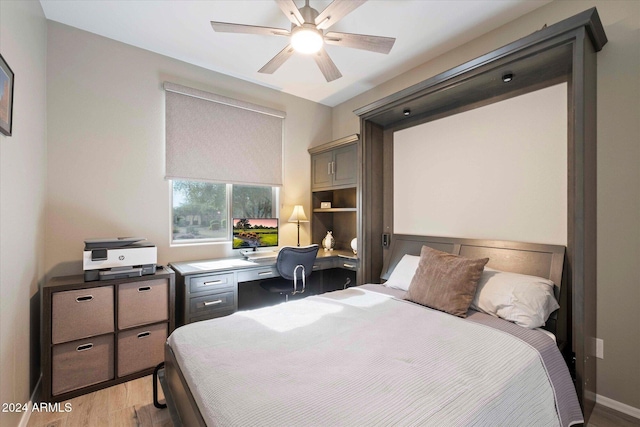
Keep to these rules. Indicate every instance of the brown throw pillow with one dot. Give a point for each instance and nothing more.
(445, 282)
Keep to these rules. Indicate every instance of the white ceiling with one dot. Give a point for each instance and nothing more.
(180, 29)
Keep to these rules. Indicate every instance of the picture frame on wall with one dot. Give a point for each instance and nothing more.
(6, 97)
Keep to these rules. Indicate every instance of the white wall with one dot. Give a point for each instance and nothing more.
(450, 174)
(618, 376)
(22, 199)
(106, 145)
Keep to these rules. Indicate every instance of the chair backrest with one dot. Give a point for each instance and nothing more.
(289, 257)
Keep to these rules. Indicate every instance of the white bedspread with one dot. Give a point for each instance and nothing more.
(361, 358)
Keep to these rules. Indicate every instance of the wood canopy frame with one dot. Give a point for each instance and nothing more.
(563, 52)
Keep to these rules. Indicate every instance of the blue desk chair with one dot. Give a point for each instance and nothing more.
(294, 265)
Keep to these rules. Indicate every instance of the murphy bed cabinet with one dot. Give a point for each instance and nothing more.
(561, 52)
(334, 179)
(102, 333)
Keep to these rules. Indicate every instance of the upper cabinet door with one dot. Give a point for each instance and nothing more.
(335, 169)
(344, 166)
(321, 175)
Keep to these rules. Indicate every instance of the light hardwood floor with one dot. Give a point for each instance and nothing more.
(123, 405)
(131, 404)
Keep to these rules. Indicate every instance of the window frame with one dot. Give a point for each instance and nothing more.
(275, 212)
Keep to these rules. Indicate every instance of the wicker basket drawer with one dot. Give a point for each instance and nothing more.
(141, 348)
(143, 302)
(81, 313)
(82, 363)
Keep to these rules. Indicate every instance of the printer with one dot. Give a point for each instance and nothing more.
(118, 258)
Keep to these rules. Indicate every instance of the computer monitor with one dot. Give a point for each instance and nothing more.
(253, 233)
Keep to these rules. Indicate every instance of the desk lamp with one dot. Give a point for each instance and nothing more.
(298, 216)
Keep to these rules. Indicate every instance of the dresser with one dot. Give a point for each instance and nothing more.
(98, 334)
(207, 295)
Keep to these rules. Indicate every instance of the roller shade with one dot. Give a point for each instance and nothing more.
(213, 138)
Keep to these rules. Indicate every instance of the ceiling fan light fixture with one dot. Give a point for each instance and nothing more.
(306, 39)
(307, 35)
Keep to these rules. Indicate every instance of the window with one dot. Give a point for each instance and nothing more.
(202, 211)
(203, 132)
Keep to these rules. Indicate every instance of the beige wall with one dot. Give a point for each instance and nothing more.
(105, 106)
(618, 172)
(23, 32)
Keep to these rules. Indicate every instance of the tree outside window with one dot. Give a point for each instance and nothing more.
(201, 209)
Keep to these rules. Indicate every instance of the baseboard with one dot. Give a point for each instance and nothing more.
(24, 421)
(618, 406)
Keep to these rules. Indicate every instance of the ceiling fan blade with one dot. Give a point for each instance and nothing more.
(328, 68)
(289, 8)
(226, 27)
(277, 60)
(337, 10)
(360, 41)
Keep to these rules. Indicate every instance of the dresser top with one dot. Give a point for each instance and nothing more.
(77, 280)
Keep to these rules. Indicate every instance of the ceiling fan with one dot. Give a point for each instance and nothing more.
(308, 36)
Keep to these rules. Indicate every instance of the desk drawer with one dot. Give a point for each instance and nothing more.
(81, 313)
(347, 264)
(324, 264)
(257, 274)
(211, 303)
(210, 282)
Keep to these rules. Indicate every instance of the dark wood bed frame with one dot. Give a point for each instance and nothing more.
(526, 258)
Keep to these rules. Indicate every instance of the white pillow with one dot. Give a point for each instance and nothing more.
(403, 273)
(525, 300)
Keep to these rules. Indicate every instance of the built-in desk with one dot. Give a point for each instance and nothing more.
(209, 288)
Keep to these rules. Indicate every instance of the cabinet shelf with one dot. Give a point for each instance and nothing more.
(334, 180)
(335, 210)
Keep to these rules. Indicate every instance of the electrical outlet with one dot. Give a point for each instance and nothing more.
(599, 348)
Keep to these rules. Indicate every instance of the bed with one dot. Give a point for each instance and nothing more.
(368, 356)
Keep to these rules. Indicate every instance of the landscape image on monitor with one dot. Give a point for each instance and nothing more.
(255, 232)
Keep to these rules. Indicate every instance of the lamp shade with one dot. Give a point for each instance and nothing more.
(298, 214)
